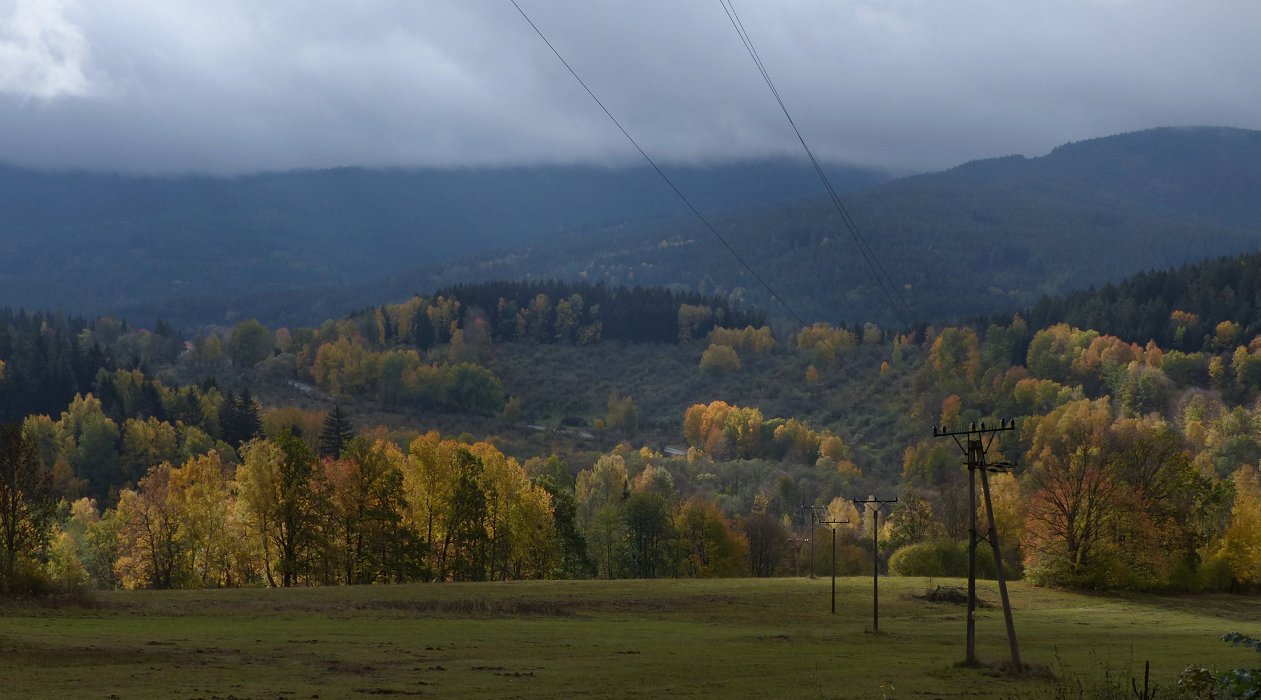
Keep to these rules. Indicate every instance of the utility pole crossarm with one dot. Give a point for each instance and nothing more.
(976, 431)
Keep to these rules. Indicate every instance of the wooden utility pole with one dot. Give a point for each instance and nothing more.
(832, 524)
(875, 504)
(796, 542)
(978, 439)
(814, 510)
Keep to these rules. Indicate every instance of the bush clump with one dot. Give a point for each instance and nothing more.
(940, 557)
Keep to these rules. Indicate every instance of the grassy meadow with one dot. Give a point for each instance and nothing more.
(608, 639)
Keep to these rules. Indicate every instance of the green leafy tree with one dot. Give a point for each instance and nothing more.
(601, 492)
(911, 521)
(766, 537)
(26, 507)
(250, 344)
(474, 389)
(466, 545)
(647, 529)
(956, 357)
(274, 483)
(573, 547)
(90, 438)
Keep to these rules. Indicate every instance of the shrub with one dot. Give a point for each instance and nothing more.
(940, 557)
(1197, 681)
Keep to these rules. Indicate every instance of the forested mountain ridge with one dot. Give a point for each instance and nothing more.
(988, 236)
(198, 249)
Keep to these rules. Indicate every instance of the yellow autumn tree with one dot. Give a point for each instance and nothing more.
(199, 492)
(151, 551)
(719, 360)
(431, 475)
(1240, 545)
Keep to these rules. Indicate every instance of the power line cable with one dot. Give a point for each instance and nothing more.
(900, 306)
(887, 286)
(774, 295)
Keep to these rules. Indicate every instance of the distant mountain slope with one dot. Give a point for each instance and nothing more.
(1214, 173)
(184, 246)
(988, 236)
(991, 235)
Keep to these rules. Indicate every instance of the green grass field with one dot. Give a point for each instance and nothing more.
(607, 639)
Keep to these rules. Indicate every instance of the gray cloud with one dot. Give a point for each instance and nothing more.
(42, 55)
(241, 85)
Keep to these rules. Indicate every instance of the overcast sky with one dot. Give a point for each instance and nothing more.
(245, 85)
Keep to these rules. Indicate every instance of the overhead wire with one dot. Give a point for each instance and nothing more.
(710, 227)
(901, 306)
(883, 280)
(887, 286)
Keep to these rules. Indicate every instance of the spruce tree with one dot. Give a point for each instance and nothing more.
(338, 431)
(239, 420)
(228, 421)
(250, 416)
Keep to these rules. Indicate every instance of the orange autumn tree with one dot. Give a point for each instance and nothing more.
(362, 494)
(1112, 502)
(707, 544)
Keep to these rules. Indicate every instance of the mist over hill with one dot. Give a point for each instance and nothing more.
(202, 249)
(988, 236)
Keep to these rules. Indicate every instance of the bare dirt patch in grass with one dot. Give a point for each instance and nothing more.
(951, 595)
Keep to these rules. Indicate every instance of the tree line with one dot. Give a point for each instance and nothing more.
(1179, 309)
(438, 510)
(1136, 463)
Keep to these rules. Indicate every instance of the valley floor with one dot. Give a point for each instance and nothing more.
(608, 639)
